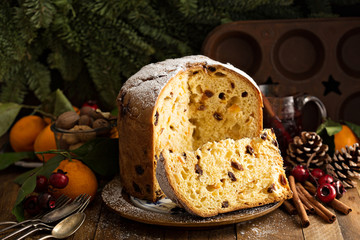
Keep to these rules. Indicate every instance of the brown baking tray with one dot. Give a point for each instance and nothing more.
(318, 56)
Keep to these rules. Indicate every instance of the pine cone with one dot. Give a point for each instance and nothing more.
(303, 147)
(345, 165)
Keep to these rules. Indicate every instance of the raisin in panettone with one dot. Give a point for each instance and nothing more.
(178, 105)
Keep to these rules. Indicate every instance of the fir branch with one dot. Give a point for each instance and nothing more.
(14, 87)
(38, 79)
(67, 62)
(41, 12)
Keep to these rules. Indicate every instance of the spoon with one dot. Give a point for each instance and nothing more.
(50, 217)
(63, 229)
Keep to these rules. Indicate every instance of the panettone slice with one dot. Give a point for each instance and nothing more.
(225, 176)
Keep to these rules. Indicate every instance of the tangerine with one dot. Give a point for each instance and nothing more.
(345, 137)
(24, 133)
(45, 141)
(82, 179)
(76, 109)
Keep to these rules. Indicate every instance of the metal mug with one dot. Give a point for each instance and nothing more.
(284, 109)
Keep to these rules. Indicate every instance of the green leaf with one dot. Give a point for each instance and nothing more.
(57, 103)
(62, 104)
(101, 155)
(331, 127)
(27, 188)
(354, 127)
(45, 170)
(18, 211)
(8, 113)
(6, 159)
(50, 165)
(22, 177)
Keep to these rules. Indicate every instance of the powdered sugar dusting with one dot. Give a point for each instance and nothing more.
(146, 85)
(116, 199)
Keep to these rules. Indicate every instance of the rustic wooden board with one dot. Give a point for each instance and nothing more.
(276, 225)
(102, 223)
(350, 224)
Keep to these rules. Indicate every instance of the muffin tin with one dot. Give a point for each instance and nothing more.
(318, 56)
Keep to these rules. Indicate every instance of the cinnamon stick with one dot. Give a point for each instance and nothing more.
(322, 211)
(298, 204)
(310, 187)
(289, 207)
(335, 204)
(340, 206)
(305, 201)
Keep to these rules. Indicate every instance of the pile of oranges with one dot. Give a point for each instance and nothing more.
(33, 134)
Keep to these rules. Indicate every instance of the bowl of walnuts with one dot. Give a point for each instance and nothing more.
(72, 129)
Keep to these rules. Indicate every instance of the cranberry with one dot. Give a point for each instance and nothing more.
(325, 179)
(91, 103)
(300, 173)
(326, 192)
(46, 200)
(31, 205)
(42, 184)
(340, 189)
(316, 174)
(59, 179)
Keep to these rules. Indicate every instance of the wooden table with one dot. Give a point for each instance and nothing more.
(102, 223)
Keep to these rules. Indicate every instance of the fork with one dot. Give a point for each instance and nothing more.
(82, 199)
(41, 226)
(61, 201)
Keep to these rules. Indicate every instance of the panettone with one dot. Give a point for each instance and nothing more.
(178, 105)
(225, 176)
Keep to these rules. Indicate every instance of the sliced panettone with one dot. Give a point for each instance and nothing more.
(177, 105)
(225, 176)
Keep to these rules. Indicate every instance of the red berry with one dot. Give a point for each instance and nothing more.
(31, 205)
(300, 173)
(46, 200)
(42, 184)
(340, 189)
(325, 179)
(316, 174)
(92, 104)
(326, 192)
(59, 179)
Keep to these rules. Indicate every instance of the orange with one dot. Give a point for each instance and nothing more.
(24, 132)
(47, 120)
(45, 141)
(345, 137)
(114, 133)
(82, 179)
(76, 109)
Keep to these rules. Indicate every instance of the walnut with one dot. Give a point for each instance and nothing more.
(101, 123)
(84, 133)
(86, 110)
(85, 120)
(67, 120)
(70, 138)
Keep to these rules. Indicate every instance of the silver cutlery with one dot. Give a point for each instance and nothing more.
(79, 204)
